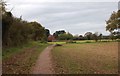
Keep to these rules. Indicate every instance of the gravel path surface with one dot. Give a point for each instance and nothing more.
(44, 62)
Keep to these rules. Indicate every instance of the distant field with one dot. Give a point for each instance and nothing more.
(93, 58)
(81, 41)
(60, 42)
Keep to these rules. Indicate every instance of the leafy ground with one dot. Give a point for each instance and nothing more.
(86, 58)
(19, 60)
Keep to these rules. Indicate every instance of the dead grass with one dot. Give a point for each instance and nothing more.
(94, 58)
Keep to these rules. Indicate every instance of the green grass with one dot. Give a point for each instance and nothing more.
(7, 52)
(59, 42)
(77, 42)
(86, 58)
(23, 56)
(81, 41)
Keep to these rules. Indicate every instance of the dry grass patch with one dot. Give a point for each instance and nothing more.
(100, 58)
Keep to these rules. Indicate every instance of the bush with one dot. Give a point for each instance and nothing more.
(65, 36)
(58, 45)
(43, 41)
(87, 42)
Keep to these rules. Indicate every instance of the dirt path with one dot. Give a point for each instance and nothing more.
(44, 63)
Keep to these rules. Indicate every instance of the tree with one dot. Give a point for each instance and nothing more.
(16, 31)
(2, 6)
(88, 35)
(113, 23)
(47, 32)
(76, 37)
(39, 31)
(65, 36)
(7, 20)
(81, 37)
(95, 36)
(46, 35)
(100, 36)
(57, 33)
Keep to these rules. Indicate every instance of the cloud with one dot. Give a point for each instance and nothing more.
(43, 1)
(75, 17)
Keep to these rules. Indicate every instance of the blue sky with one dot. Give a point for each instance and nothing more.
(76, 17)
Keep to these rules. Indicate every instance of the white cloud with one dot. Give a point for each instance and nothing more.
(42, 1)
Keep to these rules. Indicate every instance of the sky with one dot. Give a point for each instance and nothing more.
(74, 16)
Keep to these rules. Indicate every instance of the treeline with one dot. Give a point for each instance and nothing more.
(62, 35)
(16, 31)
(113, 25)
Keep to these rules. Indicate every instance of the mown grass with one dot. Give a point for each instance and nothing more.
(94, 58)
(19, 60)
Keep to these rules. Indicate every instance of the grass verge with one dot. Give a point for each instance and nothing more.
(19, 60)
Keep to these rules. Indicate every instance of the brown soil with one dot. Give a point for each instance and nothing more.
(44, 62)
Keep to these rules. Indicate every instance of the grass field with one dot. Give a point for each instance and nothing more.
(19, 60)
(86, 58)
(81, 41)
